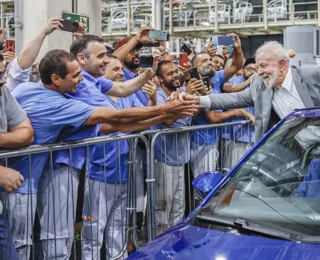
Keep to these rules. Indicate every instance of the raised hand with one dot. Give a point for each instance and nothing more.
(196, 85)
(143, 35)
(52, 25)
(151, 90)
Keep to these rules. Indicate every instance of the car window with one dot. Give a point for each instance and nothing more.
(280, 182)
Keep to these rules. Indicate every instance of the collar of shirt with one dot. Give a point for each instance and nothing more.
(90, 78)
(287, 83)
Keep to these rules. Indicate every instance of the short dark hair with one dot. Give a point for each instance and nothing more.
(160, 65)
(219, 56)
(195, 58)
(54, 62)
(81, 44)
(1, 58)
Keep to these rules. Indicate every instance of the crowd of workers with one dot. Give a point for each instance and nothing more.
(95, 90)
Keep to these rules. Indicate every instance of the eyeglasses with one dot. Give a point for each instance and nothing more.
(251, 69)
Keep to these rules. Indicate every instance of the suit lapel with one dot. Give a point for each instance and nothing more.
(302, 88)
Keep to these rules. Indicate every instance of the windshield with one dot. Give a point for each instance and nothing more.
(279, 184)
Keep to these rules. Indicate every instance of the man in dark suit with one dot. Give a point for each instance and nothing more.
(276, 91)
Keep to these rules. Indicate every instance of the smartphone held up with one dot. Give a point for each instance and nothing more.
(69, 26)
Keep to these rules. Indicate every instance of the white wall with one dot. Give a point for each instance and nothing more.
(36, 12)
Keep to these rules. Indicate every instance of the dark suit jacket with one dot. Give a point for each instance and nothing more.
(306, 80)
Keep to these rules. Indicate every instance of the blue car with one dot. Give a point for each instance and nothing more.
(267, 207)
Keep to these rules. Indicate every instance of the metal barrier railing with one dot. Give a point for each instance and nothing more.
(235, 142)
(109, 206)
(25, 238)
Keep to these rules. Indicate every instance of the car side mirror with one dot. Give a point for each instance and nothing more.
(205, 182)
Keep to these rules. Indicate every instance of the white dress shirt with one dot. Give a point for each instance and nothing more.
(17, 76)
(286, 98)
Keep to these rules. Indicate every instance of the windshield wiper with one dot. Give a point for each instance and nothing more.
(245, 225)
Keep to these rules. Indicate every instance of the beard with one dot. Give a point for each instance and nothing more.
(271, 80)
(170, 85)
(206, 72)
(131, 64)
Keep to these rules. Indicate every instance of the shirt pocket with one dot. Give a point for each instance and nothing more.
(3, 124)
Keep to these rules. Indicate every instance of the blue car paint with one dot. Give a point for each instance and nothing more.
(184, 241)
(190, 242)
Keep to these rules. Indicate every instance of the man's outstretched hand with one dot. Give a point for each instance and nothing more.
(177, 105)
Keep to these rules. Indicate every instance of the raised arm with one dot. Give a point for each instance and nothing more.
(141, 37)
(124, 89)
(30, 52)
(237, 60)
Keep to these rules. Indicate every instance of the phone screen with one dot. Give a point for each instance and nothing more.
(157, 35)
(205, 81)
(10, 46)
(69, 26)
(151, 44)
(225, 40)
(146, 61)
(183, 59)
(194, 73)
(186, 49)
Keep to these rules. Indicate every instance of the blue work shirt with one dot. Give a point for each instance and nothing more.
(49, 112)
(240, 133)
(89, 92)
(143, 97)
(210, 136)
(172, 149)
(310, 186)
(109, 160)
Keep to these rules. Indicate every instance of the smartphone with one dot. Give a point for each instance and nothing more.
(206, 82)
(225, 40)
(146, 61)
(229, 49)
(157, 35)
(183, 59)
(214, 40)
(10, 46)
(186, 49)
(69, 26)
(151, 44)
(194, 73)
(168, 37)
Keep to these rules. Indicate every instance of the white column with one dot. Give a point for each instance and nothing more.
(34, 13)
(92, 8)
(177, 40)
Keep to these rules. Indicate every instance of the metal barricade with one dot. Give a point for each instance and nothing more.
(177, 156)
(39, 223)
(107, 202)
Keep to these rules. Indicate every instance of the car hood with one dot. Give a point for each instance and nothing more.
(190, 242)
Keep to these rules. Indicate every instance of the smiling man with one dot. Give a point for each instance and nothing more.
(91, 62)
(172, 152)
(277, 90)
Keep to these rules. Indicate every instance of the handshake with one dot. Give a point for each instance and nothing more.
(181, 105)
